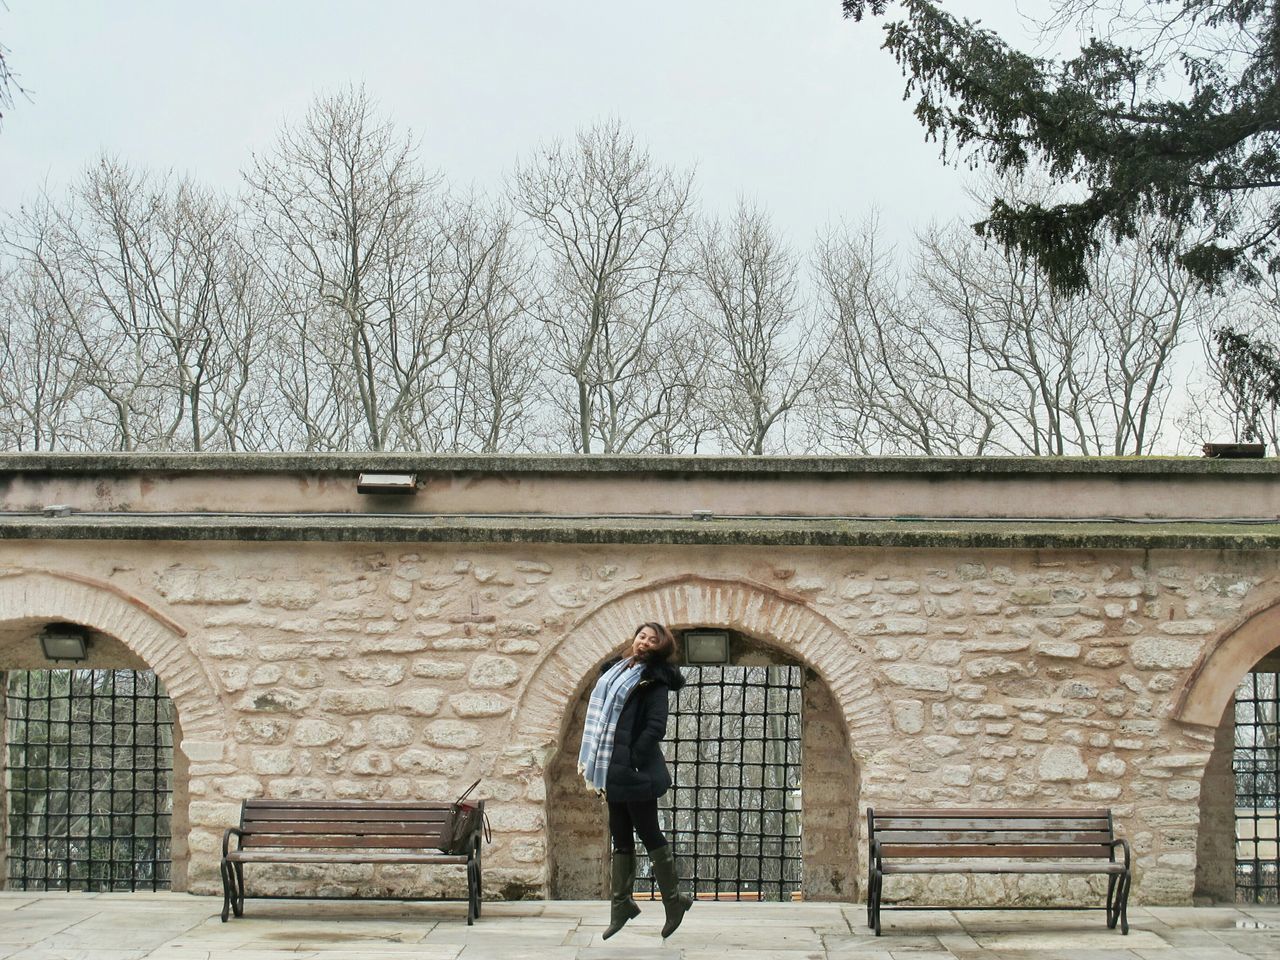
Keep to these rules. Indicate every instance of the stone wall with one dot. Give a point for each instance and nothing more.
(379, 671)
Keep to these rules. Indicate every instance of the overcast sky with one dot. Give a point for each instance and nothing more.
(781, 101)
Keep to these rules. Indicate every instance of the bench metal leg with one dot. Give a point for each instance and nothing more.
(1123, 894)
(877, 888)
(871, 884)
(471, 892)
(225, 869)
(237, 900)
(1113, 914)
(473, 884)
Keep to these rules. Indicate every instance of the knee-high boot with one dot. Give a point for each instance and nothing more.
(673, 901)
(621, 907)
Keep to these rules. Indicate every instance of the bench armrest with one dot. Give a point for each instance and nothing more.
(226, 839)
(1124, 845)
(875, 854)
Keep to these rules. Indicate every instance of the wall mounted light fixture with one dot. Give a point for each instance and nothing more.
(706, 647)
(387, 483)
(64, 641)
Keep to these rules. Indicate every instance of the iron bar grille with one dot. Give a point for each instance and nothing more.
(1257, 735)
(733, 745)
(90, 780)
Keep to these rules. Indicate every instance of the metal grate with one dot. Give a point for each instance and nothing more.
(90, 780)
(734, 810)
(1255, 765)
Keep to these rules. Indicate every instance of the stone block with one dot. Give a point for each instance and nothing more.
(908, 715)
(460, 643)
(392, 644)
(267, 674)
(371, 763)
(438, 669)
(893, 626)
(206, 813)
(273, 762)
(184, 585)
(1159, 653)
(519, 646)
(385, 673)
(355, 701)
(276, 700)
(992, 667)
(423, 702)
(288, 595)
(310, 732)
(390, 731)
(299, 788)
(520, 598)
(468, 705)
(203, 751)
(570, 596)
(490, 672)
(942, 746)
(238, 788)
(453, 734)
(417, 760)
(262, 730)
(514, 819)
(1061, 764)
(1061, 650)
(917, 677)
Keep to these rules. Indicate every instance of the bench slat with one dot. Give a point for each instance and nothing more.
(992, 836)
(995, 812)
(992, 850)
(260, 803)
(331, 840)
(354, 816)
(968, 823)
(941, 868)
(300, 856)
(286, 828)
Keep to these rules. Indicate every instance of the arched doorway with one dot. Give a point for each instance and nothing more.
(846, 718)
(1238, 837)
(137, 663)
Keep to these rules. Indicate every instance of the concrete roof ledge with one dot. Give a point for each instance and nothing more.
(551, 464)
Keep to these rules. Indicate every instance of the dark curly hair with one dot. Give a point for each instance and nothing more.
(665, 651)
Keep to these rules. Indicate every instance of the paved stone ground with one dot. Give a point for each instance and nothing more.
(181, 927)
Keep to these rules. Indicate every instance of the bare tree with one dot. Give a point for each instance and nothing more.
(887, 386)
(41, 380)
(971, 352)
(490, 385)
(147, 272)
(372, 271)
(612, 227)
(747, 287)
(1216, 407)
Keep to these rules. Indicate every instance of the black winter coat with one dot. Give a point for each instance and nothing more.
(637, 770)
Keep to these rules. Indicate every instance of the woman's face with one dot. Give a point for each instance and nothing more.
(645, 640)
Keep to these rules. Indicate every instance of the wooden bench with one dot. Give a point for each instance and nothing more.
(966, 841)
(344, 831)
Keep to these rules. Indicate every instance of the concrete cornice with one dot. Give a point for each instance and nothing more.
(717, 532)
(564, 464)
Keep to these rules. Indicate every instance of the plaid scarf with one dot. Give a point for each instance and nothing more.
(604, 708)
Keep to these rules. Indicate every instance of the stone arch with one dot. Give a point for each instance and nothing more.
(1206, 700)
(155, 638)
(775, 616)
(841, 688)
(1212, 682)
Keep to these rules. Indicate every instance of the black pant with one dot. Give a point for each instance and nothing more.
(640, 816)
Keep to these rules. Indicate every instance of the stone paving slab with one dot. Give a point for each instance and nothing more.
(173, 926)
